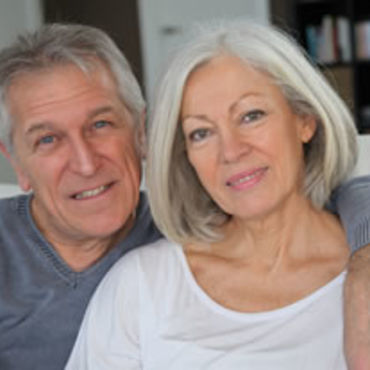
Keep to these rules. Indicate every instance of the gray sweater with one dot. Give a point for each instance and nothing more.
(42, 301)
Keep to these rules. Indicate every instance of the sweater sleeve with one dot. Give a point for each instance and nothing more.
(109, 335)
(352, 202)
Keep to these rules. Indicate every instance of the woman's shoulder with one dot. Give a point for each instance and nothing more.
(160, 250)
(147, 259)
(141, 274)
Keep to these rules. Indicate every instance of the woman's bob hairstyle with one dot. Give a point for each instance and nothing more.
(181, 207)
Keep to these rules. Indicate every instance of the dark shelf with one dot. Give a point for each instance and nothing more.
(352, 75)
(316, 2)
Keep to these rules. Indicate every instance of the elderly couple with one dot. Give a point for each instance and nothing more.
(244, 267)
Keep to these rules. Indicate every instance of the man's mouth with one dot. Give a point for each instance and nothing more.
(91, 193)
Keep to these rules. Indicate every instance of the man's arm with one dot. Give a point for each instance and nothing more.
(357, 311)
(352, 202)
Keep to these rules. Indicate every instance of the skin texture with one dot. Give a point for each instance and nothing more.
(230, 121)
(246, 146)
(73, 134)
(357, 311)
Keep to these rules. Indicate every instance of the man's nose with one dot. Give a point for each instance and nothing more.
(83, 157)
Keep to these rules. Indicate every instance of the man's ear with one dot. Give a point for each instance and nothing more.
(23, 179)
(5, 152)
(141, 136)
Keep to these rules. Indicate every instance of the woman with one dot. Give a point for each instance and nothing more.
(247, 142)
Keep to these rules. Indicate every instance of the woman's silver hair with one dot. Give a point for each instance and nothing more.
(181, 207)
(59, 44)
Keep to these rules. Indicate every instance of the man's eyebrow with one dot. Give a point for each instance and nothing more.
(38, 127)
(48, 125)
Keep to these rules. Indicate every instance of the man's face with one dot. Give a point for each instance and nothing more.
(74, 143)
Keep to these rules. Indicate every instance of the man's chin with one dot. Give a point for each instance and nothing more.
(103, 227)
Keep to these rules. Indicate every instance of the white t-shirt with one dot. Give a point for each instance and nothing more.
(149, 313)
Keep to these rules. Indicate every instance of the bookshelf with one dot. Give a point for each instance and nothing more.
(336, 34)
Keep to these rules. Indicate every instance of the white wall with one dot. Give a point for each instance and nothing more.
(164, 22)
(363, 164)
(16, 16)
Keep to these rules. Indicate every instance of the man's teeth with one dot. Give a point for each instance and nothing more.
(91, 193)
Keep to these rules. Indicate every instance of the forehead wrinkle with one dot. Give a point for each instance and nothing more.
(232, 108)
(47, 124)
(91, 83)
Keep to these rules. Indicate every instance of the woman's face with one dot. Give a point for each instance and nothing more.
(242, 138)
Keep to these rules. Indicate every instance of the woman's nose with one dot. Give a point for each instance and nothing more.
(233, 146)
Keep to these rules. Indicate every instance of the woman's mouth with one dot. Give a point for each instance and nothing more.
(246, 178)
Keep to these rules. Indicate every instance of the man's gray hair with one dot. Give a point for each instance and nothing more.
(58, 44)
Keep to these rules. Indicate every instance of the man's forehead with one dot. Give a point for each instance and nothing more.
(61, 83)
(90, 70)
(53, 102)
(90, 115)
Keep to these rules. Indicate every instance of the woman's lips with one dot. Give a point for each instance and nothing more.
(247, 178)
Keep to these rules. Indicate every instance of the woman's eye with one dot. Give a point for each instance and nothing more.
(101, 124)
(252, 116)
(199, 134)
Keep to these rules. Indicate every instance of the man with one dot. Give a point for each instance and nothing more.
(71, 118)
(72, 127)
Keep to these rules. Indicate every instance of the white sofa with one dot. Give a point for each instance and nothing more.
(363, 164)
(8, 190)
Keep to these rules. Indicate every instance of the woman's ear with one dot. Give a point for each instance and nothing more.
(308, 128)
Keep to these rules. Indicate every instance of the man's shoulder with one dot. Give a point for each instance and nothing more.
(360, 182)
(355, 191)
(13, 207)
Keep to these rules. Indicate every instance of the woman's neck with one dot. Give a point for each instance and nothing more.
(297, 230)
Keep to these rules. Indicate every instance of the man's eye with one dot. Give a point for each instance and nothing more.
(252, 116)
(199, 134)
(49, 139)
